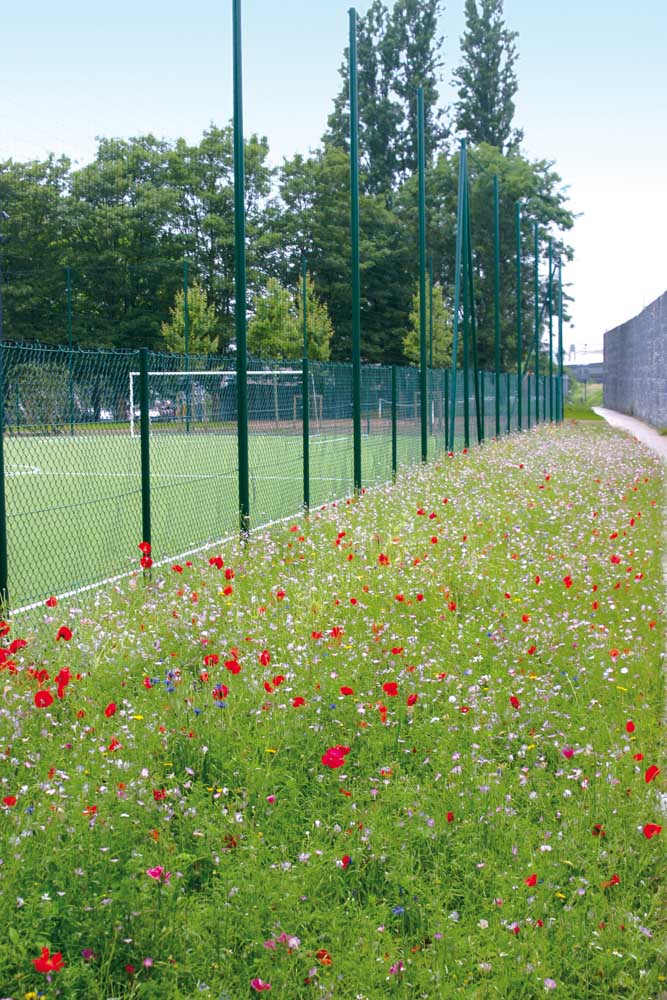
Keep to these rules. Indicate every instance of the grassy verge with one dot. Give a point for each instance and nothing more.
(582, 400)
(405, 748)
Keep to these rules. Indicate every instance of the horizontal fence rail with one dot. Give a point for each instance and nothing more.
(102, 448)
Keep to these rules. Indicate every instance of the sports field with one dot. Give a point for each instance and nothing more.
(74, 502)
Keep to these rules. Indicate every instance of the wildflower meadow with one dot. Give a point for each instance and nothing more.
(407, 746)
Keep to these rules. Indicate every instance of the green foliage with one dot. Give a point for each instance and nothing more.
(273, 331)
(486, 78)
(442, 331)
(276, 329)
(397, 50)
(203, 324)
(318, 322)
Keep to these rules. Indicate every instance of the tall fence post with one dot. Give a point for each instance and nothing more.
(551, 333)
(145, 426)
(508, 402)
(305, 411)
(240, 283)
(496, 294)
(445, 397)
(519, 338)
(423, 378)
(560, 339)
(186, 338)
(394, 430)
(356, 259)
(482, 409)
(4, 575)
(457, 295)
(70, 348)
(536, 295)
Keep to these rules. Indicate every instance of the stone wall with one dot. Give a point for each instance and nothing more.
(635, 363)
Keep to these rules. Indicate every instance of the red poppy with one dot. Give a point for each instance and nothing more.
(450, 817)
(216, 561)
(345, 861)
(651, 830)
(336, 632)
(211, 660)
(4, 628)
(514, 701)
(317, 635)
(228, 591)
(383, 559)
(531, 880)
(64, 633)
(451, 606)
(532, 650)
(110, 709)
(9, 801)
(346, 690)
(630, 726)
(265, 657)
(176, 568)
(651, 773)
(220, 692)
(298, 702)
(638, 756)
(233, 666)
(568, 581)
(146, 562)
(614, 880)
(47, 962)
(335, 756)
(615, 560)
(145, 548)
(14, 646)
(599, 830)
(280, 595)
(323, 956)
(51, 602)
(412, 699)
(390, 688)
(43, 699)
(159, 794)
(229, 574)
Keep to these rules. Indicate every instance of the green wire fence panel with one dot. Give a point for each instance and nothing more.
(73, 450)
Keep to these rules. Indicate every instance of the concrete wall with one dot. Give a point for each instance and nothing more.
(635, 363)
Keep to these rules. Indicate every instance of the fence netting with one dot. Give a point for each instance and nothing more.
(72, 449)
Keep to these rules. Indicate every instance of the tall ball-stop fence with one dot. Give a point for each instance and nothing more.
(101, 450)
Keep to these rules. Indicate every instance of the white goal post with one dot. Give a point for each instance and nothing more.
(267, 374)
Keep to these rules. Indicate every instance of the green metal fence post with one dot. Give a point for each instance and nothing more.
(186, 335)
(457, 296)
(240, 282)
(508, 404)
(356, 263)
(430, 337)
(560, 340)
(4, 571)
(519, 345)
(482, 408)
(445, 397)
(394, 430)
(145, 430)
(551, 333)
(473, 320)
(536, 296)
(305, 411)
(423, 378)
(496, 293)
(528, 416)
(70, 348)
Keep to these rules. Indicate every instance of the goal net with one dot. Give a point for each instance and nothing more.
(207, 400)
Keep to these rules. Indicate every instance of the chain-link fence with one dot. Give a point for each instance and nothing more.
(92, 447)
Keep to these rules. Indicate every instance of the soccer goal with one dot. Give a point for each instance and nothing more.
(181, 399)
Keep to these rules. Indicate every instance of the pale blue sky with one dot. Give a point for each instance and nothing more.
(592, 97)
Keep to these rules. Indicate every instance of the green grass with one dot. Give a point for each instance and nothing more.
(499, 618)
(582, 400)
